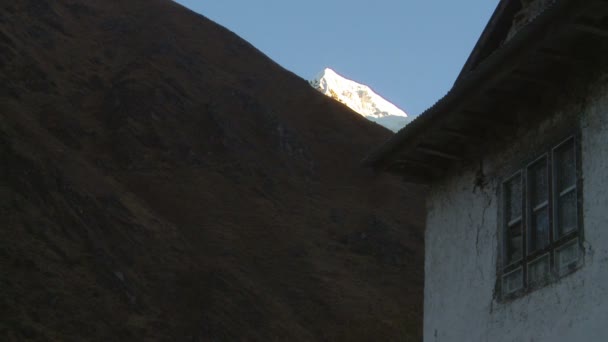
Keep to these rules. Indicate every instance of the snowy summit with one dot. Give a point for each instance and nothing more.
(360, 98)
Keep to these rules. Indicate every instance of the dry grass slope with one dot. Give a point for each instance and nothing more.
(161, 179)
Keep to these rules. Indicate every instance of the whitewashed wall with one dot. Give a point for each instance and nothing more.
(462, 248)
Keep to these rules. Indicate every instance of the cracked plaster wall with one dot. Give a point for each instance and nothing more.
(462, 244)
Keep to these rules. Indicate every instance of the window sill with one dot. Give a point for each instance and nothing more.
(553, 279)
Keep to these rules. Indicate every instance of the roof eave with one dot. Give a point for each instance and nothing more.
(492, 35)
(491, 70)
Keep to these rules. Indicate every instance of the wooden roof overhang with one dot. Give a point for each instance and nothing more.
(492, 36)
(479, 110)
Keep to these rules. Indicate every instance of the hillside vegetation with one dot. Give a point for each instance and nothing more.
(161, 179)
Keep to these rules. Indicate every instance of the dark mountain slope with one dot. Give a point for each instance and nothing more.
(161, 179)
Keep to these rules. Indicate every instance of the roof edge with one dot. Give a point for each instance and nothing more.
(505, 10)
(512, 51)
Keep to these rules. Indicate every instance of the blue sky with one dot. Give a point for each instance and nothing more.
(409, 52)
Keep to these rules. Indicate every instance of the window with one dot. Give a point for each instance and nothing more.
(540, 221)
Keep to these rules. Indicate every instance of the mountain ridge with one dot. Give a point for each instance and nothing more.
(154, 186)
(361, 99)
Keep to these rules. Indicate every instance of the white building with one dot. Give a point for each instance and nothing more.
(516, 157)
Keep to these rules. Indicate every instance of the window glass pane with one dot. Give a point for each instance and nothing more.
(513, 281)
(514, 243)
(539, 229)
(566, 213)
(538, 271)
(513, 199)
(565, 166)
(538, 183)
(567, 257)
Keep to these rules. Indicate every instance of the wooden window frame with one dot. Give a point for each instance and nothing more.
(556, 244)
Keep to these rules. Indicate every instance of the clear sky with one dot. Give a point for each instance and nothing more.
(408, 51)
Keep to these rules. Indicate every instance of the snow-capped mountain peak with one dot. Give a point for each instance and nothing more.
(360, 98)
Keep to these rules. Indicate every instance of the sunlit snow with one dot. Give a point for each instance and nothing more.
(360, 98)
